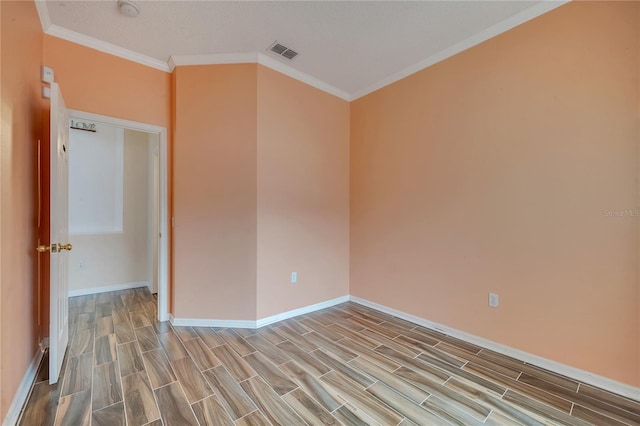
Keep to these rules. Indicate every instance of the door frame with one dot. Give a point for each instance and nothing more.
(163, 246)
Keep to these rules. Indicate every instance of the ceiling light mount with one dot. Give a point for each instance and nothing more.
(128, 8)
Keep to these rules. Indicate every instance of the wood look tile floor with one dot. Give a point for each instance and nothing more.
(347, 365)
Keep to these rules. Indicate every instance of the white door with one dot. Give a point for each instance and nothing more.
(59, 238)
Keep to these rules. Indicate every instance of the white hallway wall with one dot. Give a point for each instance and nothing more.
(116, 258)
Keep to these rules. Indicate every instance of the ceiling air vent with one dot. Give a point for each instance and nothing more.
(282, 50)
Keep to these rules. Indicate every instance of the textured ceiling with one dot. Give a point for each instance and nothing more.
(350, 45)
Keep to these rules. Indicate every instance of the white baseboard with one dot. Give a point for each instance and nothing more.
(203, 322)
(301, 311)
(20, 398)
(259, 323)
(107, 288)
(628, 391)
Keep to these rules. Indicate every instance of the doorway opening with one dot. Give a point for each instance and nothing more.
(118, 217)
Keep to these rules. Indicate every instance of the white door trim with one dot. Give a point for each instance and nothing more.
(163, 246)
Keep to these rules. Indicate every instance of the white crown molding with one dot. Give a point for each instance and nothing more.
(276, 65)
(107, 288)
(492, 31)
(300, 76)
(43, 14)
(262, 59)
(103, 46)
(22, 393)
(554, 366)
(213, 59)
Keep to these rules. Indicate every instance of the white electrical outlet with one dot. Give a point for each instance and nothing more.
(494, 300)
(46, 75)
(294, 277)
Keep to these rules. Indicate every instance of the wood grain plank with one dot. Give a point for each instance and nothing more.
(140, 403)
(541, 409)
(185, 333)
(209, 337)
(124, 332)
(303, 359)
(355, 336)
(107, 387)
(147, 338)
(174, 408)
(360, 399)
(333, 348)
(369, 354)
(78, 374)
(42, 404)
(109, 416)
(398, 346)
(270, 334)
(547, 398)
(593, 417)
(236, 365)
(457, 400)
(349, 418)
(74, 409)
(393, 381)
(310, 411)
(230, 394)
(529, 369)
(104, 326)
(194, 385)
(139, 319)
(200, 353)
(82, 342)
(404, 406)
(610, 398)
(446, 411)
(209, 411)
(506, 371)
(320, 392)
(254, 419)
(268, 349)
(296, 338)
(270, 373)
(158, 368)
(106, 349)
(584, 400)
(172, 346)
(270, 403)
(314, 325)
(344, 369)
(236, 342)
(130, 358)
(416, 365)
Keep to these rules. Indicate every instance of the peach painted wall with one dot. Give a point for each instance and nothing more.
(493, 171)
(215, 192)
(303, 194)
(99, 83)
(21, 114)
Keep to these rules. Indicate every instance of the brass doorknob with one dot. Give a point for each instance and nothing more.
(53, 248)
(67, 246)
(42, 249)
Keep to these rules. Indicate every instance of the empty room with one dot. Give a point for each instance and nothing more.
(319, 212)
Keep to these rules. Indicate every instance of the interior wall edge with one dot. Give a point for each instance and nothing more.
(587, 377)
(22, 394)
